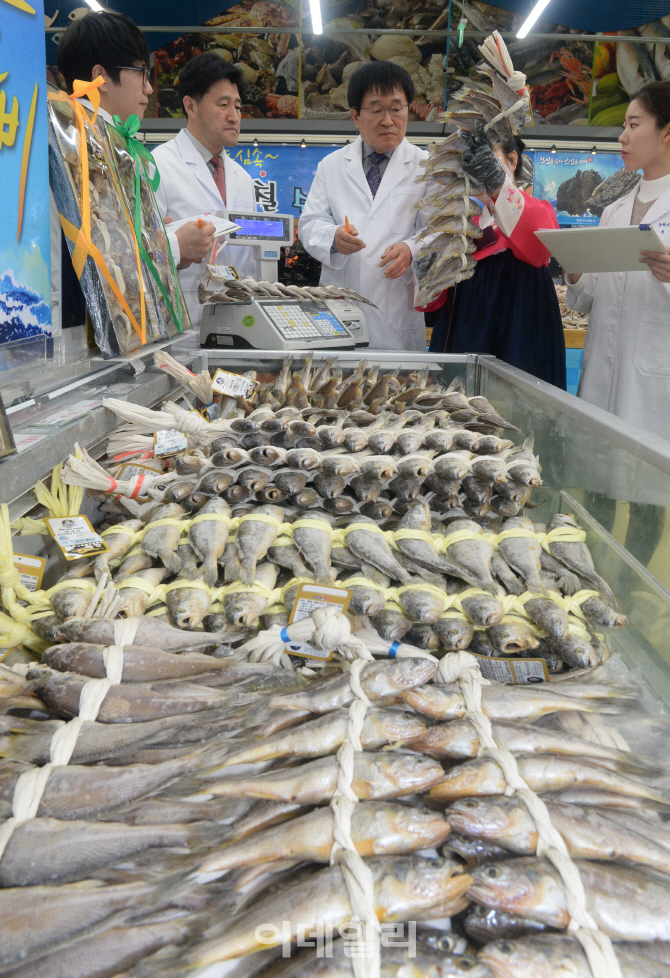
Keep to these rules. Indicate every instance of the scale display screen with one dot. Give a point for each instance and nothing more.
(304, 321)
(265, 229)
(258, 228)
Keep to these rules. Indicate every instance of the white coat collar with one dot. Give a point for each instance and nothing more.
(201, 171)
(353, 155)
(395, 172)
(660, 207)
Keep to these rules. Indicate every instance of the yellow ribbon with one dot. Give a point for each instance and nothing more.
(81, 237)
(562, 534)
(573, 602)
(204, 517)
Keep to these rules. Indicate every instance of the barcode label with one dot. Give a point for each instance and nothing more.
(233, 384)
(516, 672)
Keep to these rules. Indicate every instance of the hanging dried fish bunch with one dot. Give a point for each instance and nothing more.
(486, 119)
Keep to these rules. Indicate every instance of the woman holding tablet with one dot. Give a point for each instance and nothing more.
(626, 367)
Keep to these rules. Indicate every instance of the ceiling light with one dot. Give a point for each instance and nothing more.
(594, 151)
(532, 17)
(255, 143)
(303, 144)
(95, 6)
(315, 13)
(553, 149)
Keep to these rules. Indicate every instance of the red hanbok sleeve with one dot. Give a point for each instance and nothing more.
(519, 216)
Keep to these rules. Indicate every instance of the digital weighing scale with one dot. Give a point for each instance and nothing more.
(275, 323)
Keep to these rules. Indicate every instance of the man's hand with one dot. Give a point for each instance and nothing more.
(348, 242)
(659, 264)
(397, 257)
(194, 242)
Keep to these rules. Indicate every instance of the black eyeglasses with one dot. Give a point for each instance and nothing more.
(146, 73)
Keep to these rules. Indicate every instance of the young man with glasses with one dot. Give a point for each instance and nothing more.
(111, 45)
(360, 218)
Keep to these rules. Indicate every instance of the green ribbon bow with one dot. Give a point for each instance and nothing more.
(139, 152)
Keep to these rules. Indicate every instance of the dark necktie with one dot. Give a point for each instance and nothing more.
(373, 174)
(219, 177)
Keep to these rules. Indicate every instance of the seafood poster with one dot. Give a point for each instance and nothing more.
(568, 180)
(25, 286)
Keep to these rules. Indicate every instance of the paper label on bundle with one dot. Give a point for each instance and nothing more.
(168, 443)
(130, 471)
(224, 273)
(67, 415)
(31, 570)
(75, 536)
(515, 672)
(234, 384)
(210, 412)
(308, 599)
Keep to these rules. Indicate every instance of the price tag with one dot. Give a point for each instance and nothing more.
(75, 536)
(168, 443)
(210, 412)
(308, 598)
(66, 415)
(31, 570)
(515, 672)
(224, 273)
(26, 440)
(234, 384)
(129, 471)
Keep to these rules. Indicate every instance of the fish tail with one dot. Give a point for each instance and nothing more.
(248, 570)
(171, 561)
(211, 572)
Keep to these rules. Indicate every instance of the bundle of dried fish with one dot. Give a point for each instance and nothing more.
(486, 118)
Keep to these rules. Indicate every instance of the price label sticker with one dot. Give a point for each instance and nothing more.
(210, 412)
(514, 672)
(75, 536)
(31, 570)
(130, 471)
(224, 273)
(168, 443)
(66, 415)
(27, 440)
(234, 385)
(308, 598)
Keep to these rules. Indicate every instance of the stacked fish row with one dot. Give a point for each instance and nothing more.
(417, 565)
(151, 843)
(216, 288)
(152, 840)
(487, 119)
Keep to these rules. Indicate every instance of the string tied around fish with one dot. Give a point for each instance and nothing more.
(462, 668)
(31, 784)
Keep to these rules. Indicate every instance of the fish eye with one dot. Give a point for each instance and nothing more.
(480, 911)
(445, 943)
(492, 871)
(505, 947)
(466, 964)
(469, 803)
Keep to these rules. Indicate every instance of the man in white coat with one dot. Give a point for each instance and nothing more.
(360, 218)
(197, 176)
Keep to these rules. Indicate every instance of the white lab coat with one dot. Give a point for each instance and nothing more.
(341, 189)
(187, 189)
(626, 366)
